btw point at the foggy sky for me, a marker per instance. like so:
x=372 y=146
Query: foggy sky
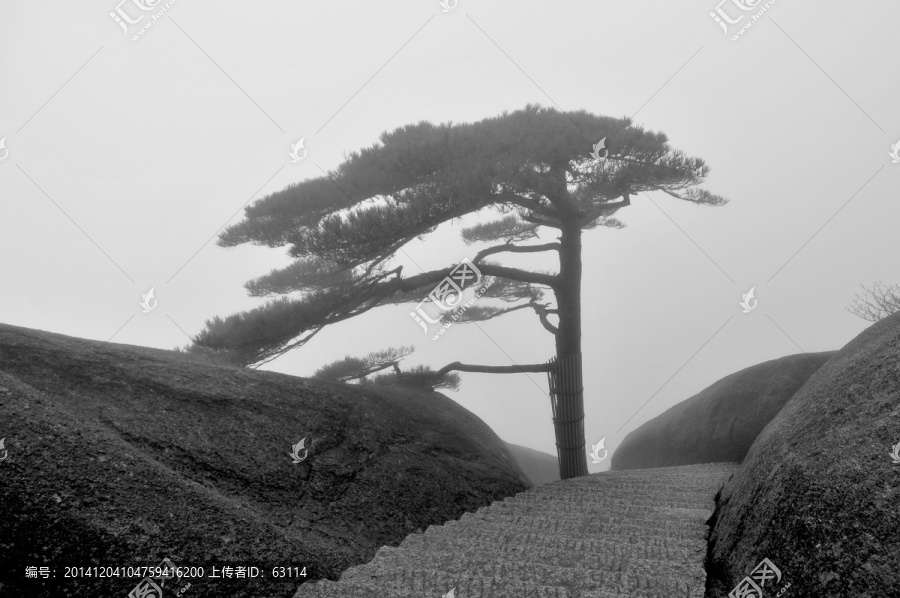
x=127 y=157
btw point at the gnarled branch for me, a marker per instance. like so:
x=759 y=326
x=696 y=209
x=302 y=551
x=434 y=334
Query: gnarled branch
x=517 y=274
x=514 y=249
x=493 y=369
x=542 y=312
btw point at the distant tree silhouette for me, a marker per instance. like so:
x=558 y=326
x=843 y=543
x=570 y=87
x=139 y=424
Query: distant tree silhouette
x=876 y=302
x=533 y=166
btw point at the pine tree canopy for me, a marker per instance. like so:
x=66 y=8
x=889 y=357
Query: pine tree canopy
x=533 y=168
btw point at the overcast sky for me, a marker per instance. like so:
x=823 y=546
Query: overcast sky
x=126 y=157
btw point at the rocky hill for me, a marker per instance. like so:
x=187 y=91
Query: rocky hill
x=122 y=455
x=720 y=422
x=818 y=492
x=540 y=467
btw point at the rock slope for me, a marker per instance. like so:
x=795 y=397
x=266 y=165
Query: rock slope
x=607 y=535
x=719 y=423
x=818 y=493
x=127 y=455
x=540 y=467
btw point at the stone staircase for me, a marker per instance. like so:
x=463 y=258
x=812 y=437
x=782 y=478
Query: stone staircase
x=621 y=534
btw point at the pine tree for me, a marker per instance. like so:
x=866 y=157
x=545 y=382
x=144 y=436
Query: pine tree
x=534 y=167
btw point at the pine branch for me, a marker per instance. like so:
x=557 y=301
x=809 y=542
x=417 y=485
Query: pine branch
x=493 y=369
x=358 y=368
x=344 y=227
x=478 y=313
x=701 y=197
x=510 y=227
x=517 y=274
x=514 y=249
x=542 y=312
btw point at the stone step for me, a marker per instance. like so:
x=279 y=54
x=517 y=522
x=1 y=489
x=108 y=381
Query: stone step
x=581 y=571
x=578 y=510
x=661 y=493
x=632 y=534
x=657 y=527
x=609 y=556
x=592 y=496
x=419 y=583
x=562 y=541
x=582 y=541
x=567 y=581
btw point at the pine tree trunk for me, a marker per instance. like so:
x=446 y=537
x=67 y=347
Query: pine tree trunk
x=569 y=391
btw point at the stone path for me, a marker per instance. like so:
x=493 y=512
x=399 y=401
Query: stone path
x=622 y=534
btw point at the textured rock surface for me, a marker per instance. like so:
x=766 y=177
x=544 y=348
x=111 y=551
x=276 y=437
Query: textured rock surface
x=613 y=534
x=719 y=423
x=540 y=467
x=818 y=494
x=126 y=455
